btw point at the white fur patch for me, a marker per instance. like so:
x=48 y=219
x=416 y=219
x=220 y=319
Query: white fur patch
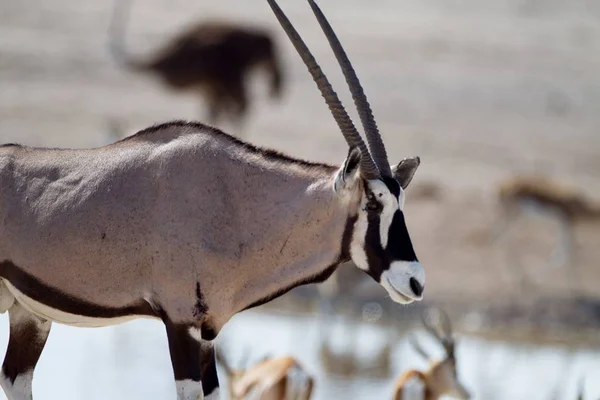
x=195 y=333
x=396 y=280
x=6 y=297
x=357 y=250
x=414 y=389
x=52 y=314
x=215 y=395
x=20 y=389
x=188 y=389
x=390 y=206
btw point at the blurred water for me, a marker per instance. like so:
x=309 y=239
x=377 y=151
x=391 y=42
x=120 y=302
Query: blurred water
x=131 y=361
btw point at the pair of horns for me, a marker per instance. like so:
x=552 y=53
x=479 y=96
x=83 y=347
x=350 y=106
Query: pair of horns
x=442 y=332
x=373 y=164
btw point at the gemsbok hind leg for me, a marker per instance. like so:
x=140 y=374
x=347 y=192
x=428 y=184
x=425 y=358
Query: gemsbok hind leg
x=194 y=365
x=28 y=335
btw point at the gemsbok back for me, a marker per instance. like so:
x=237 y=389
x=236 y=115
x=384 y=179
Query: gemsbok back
x=211 y=58
x=187 y=224
x=441 y=378
x=272 y=378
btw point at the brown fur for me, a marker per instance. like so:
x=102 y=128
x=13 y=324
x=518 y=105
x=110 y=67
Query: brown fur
x=440 y=379
x=211 y=58
x=269 y=379
x=548 y=193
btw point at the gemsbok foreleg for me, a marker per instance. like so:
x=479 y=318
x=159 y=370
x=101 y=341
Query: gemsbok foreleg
x=193 y=360
x=28 y=335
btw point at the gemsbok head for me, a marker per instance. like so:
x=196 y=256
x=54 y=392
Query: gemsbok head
x=441 y=378
x=187 y=224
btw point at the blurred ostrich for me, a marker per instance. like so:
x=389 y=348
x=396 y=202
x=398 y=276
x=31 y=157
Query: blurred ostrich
x=212 y=59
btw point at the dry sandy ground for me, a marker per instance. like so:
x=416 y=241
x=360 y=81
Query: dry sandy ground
x=478 y=89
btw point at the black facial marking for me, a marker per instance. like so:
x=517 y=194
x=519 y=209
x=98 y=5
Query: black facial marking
x=200 y=308
x=52 y=297
x=392 y=185
x=376 y=257
x=373 y=205
x=399 y=245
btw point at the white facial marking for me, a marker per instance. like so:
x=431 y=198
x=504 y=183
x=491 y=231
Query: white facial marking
x=20 y=389
x=396 y=281
x=414 y=389
x=390 y=206
x=188 y=389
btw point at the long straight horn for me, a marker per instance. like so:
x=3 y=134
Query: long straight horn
x=376 y=145
x=367 y=166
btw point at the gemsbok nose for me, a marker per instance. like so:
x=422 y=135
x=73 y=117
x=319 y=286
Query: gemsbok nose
x=416 y=287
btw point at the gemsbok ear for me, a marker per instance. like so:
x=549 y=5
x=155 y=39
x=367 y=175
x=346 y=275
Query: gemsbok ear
x=346 y=176
x=405 y=170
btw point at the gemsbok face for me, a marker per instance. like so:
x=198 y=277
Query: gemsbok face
x=380 y=243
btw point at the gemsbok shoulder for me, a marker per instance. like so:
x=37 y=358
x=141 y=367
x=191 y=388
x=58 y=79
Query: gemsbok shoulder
x=273 y=378
x=187 y=224
x=441 y=378
x=211 y=58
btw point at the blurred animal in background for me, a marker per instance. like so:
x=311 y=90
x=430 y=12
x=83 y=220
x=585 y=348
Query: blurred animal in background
x=272 y=378
x=346 y=362
x=424 y=191
x=441 y=378
x=213 y=59
x=537 y=194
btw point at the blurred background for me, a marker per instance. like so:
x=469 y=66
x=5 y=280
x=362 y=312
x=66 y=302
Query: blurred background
x=500 y=99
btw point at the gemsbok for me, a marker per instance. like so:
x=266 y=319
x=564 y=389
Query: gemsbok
x=187 y=224
x=212 y=58
x=441 y=378
x=273 y=378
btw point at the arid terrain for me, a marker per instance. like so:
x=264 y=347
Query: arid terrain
x=481 y=90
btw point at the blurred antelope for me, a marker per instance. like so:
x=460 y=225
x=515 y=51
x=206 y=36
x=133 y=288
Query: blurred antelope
x=276 y=378
x=348 y=364
x=210 y=58
x=441 y=378
x=519 y=194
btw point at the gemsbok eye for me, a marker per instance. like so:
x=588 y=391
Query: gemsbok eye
x=374 y=206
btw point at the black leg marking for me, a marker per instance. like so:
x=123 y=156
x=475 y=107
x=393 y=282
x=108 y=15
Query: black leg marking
x=210 y=381
x=192 y=358
x=28 y=335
